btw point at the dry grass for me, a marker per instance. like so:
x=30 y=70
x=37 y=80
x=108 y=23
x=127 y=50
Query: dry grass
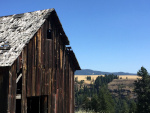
x=129 y=77
x=84 y=77
x=124 y=82
x=93 y=78
x=126 y=85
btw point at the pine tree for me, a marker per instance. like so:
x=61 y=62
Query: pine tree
x=106 y=101
x=125 y=107
x=95 y=103
x=142 y=89
x=132 y=107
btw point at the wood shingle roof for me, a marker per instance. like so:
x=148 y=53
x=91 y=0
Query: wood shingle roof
x=16 y=31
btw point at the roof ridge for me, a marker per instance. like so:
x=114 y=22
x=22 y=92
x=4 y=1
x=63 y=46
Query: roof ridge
x=51 y=9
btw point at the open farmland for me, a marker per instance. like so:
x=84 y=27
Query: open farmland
x=84 y=78
x=131 y=77
x=93 y=78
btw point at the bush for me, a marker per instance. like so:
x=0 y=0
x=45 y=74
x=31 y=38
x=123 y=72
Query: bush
x=88 y=78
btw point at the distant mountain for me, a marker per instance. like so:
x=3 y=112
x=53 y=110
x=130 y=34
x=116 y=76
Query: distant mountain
x=92 y=72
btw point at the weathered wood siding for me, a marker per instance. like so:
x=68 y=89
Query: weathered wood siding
x=47 y=74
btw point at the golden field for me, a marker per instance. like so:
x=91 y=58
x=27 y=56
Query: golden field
x=129 y=77
x=93 y=78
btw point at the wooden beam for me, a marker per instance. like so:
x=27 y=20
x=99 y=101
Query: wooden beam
x=18 y=78
x=24 y=83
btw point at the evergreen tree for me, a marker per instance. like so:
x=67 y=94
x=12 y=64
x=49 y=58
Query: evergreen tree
x=106 y=101
x=142 y=89
x=132 y=107
x=86 y=103
x=125 y=107
x=95 y=103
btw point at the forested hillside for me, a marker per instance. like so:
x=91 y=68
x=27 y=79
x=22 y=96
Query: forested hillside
x=97 y=97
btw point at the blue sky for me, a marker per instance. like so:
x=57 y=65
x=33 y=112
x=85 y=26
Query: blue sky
x=106 y=35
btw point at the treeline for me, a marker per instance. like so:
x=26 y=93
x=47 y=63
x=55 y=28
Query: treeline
x=97 y=97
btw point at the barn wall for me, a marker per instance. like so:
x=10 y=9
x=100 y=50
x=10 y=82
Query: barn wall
x=48 y=71
x=47 y=75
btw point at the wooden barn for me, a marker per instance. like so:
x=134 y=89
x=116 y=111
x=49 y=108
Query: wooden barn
x=36 y=64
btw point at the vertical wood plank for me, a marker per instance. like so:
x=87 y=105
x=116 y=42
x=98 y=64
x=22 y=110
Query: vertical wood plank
x=69 y=92
x=38 y=66
x=42 y=46
x=50 y=54
x=12 y=93
x=53 y=71
x=24 y=75
x=33 y=65
x=50 y=92
x=67 y=85
x=43 y=82
x=72 y=89
x=46 y=67
x=64 y=93
x=29 y=66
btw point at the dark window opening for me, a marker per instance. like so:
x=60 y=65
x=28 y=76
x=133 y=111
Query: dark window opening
x=43 y=104
x=18 y=105
x=60 y=34
x=37 y=104
x=49 y=34
x=33 y=105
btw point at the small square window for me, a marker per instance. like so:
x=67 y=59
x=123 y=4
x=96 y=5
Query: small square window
x=49 y=34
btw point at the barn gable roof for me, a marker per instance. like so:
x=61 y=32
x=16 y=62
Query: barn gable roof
x=17 y=30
